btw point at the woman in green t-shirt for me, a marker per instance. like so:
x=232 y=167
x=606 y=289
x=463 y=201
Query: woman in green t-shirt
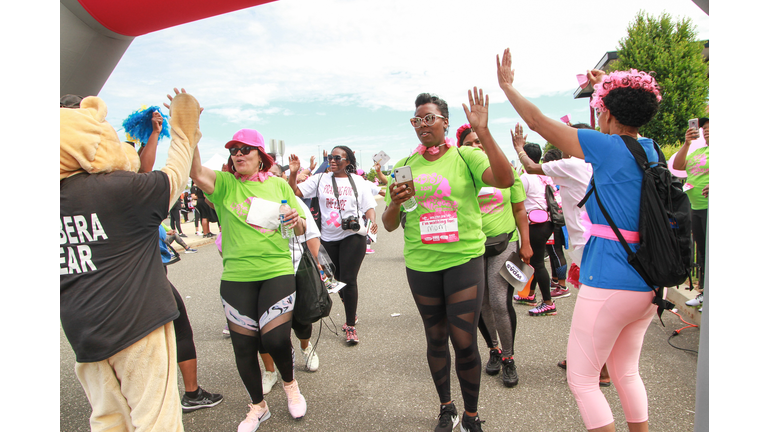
x=444 y=243
x=258 y=287
x=504 y=220
x=696 y=166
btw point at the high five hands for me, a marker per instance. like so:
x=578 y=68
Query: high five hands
x=170 y=98
x=477 y=112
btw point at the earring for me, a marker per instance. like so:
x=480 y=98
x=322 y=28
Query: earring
x=261 y=165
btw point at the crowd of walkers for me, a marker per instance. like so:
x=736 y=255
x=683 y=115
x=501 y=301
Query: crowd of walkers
x=464 y=211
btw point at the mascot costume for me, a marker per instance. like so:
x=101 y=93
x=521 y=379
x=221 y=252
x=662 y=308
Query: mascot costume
x=117 y=307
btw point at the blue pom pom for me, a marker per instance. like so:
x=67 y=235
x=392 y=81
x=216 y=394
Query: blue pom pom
x=138 y=125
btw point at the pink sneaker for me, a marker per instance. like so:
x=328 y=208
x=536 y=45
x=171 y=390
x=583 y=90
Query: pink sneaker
x=543 y=309
x=255 y=417
x=297 y=405
x=524 y=300
x=351 y=335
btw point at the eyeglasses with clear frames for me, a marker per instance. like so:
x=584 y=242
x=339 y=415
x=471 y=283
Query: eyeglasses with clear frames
x=428 y=119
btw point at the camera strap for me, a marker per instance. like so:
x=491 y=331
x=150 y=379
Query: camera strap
x=336 y=193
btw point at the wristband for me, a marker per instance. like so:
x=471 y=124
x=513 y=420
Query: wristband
x=521 y=154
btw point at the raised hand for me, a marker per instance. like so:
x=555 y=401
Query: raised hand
x=504 y=71
x=170 y=98
x=595 y=76
x=518 y=139
x=157 y=122
x=477 y=113
x=312 y=163
x=294 y=163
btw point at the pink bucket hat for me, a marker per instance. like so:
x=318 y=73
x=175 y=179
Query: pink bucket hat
x=249 y=137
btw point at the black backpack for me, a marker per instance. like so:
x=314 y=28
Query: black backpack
x=312 y=299
x=664 y=257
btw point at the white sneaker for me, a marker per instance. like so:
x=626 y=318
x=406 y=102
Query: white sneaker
x=255 y=417
x=268 y=379
x=698 y=301
x=297 y=405
x=311 y=361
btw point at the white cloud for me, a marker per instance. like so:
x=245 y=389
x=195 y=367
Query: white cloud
x=375 y=55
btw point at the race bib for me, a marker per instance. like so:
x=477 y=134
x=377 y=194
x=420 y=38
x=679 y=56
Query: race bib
x=439 y=227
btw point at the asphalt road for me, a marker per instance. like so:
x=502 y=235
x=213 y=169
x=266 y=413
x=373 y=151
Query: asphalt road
x=383 y=383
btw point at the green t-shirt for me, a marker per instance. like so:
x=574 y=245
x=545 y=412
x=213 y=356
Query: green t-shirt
x=697 y=169
x=444 y=189
x=496 y=208
x=250 y=252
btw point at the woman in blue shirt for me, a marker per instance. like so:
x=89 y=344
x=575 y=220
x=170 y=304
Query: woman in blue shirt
x=613 y=308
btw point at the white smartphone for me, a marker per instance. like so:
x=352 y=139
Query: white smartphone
x=694 y=124
x=404 y=175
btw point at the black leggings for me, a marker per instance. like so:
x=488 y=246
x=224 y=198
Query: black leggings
x=185 y=344
x=347 y=256
x=699 y=230
x=538 y=234
x=449 y=303
x=176 y=220
x=557 y=261
x=259 y=316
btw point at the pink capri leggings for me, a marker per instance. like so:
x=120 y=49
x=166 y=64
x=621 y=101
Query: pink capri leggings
x=608 y=327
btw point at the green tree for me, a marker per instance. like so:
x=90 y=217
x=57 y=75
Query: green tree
x=670 y=49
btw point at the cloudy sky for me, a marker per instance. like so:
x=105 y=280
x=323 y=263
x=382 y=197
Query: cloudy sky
x=322 y=73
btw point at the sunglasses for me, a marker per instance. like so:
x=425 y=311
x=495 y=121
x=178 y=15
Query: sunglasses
x=336 y=158
x=244 y=150
x=428 y=119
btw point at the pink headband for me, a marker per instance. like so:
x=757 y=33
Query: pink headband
x=460 y=130
x=618 y=79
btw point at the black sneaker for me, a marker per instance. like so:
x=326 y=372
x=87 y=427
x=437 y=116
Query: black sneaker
x=494 y=362
x=471 y=424
x=203 y=400
x=448 y=418
x=509 y=373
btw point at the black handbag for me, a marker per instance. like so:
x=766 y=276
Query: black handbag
x=312 y=299
x=553 y=208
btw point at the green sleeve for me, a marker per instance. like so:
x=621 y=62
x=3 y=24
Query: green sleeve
x=220 y=187
x=517 y=190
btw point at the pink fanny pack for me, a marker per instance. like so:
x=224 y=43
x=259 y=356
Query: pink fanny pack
x=606 y=232
x=538 y=216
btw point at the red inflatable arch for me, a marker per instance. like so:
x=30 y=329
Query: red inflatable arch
x=95 y=33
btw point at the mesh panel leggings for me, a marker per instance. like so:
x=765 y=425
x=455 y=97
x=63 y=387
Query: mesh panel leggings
x=539 y=234
x=449 y=304
x=347 y=256
x=259 y=316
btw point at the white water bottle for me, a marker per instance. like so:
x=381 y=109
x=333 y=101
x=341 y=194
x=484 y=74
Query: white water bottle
x=284 y=210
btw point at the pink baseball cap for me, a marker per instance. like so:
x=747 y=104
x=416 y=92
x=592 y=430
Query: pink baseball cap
x=360 y=172
x=249 y=137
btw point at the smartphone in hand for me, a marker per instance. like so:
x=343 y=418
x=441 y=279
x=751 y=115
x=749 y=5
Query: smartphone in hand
x=403 y=175
x=694 y=124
